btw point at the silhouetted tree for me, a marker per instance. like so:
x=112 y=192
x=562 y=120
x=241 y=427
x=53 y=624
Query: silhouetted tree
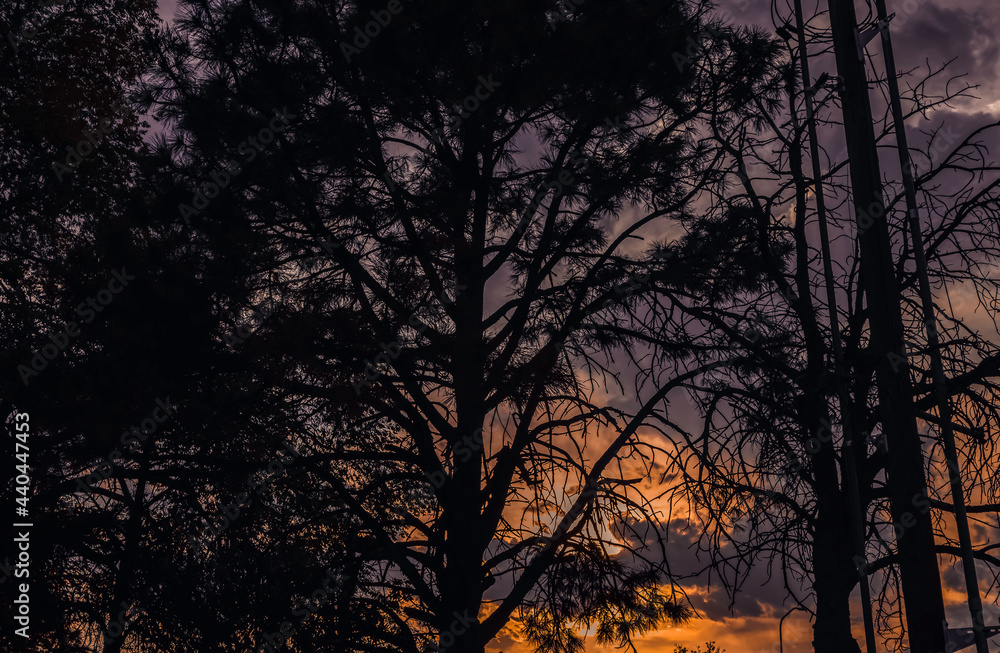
x=448 y=199
x=68 y=137
x=766 y=477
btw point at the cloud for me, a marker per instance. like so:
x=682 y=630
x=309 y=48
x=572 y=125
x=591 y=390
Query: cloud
x=166 y=9
x=939 y=31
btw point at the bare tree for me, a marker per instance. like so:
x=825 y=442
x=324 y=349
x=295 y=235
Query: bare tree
x=767 y=477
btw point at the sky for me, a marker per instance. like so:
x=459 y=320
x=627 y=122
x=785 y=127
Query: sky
x=925 y=33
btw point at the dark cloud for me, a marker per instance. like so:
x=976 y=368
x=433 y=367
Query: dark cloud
x=938 y=32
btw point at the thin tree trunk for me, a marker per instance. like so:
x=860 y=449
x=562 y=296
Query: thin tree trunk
x=834 y=572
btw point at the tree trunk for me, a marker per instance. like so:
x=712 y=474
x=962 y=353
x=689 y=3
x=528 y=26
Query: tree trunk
x=466 y=536
x=918 y=564
x=835 y=577
x=833 y=572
